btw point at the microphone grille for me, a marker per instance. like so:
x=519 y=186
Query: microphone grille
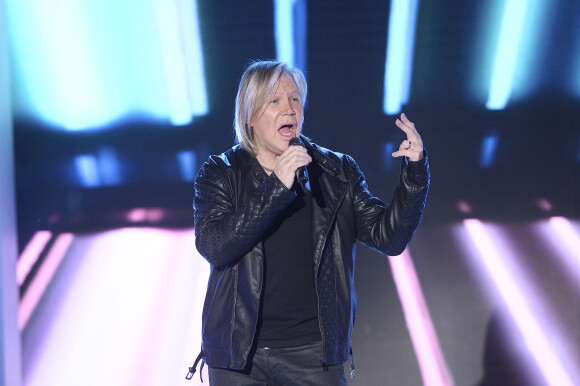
x=296 y=141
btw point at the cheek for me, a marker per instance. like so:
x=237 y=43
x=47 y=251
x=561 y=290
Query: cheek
x=268 y=118
x=263 y=122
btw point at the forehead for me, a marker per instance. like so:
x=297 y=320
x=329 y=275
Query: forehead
x=285 y=83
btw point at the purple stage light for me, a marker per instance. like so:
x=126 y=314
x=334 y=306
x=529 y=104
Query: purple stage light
x=127 y=302
x=431 y=360
x=43 y=277
x=511 y=287
x=30 y=254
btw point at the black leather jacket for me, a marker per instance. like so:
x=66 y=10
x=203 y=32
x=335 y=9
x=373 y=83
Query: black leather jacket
x=234 y=205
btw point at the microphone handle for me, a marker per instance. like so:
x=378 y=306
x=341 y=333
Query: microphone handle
x=301 y=171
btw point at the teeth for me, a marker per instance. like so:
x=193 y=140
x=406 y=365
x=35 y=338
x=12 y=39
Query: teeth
x=284 y=133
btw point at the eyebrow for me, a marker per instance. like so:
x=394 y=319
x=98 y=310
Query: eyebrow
x=277 y=93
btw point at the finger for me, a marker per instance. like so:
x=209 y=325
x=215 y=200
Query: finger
x=404 y=148
x=406 y=125
x=292 y=150
x=289 y=161
x=412 y=155
x=409 y=149
x=297 y=154
x=406 y=120
x=397 y=154
x=409 y=128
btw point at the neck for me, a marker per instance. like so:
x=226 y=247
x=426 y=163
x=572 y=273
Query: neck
x=268 y=163
x=268 y=169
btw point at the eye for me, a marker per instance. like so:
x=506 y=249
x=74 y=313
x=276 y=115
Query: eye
x=274 y=101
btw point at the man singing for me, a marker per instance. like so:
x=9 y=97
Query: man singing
x=281 y=303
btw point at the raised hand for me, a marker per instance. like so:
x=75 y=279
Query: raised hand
x=412 y=147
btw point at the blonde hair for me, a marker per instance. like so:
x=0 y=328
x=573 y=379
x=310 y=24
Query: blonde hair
x=256 y=84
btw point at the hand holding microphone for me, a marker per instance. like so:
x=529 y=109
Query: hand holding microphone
x=290 y=165
x=301 y=171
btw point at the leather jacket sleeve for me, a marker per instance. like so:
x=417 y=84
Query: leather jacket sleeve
x=225 y=229
x=389 y=228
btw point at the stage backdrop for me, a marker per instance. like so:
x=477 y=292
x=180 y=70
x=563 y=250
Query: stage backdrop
x=116 y=105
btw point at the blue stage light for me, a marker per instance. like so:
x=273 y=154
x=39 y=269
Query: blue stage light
x=182 y=59
x=87 y=170
x=88 y=64
x=100 y=170
x=399 y=60
x=186 y=160
x=284 y=30
x=388 y=161
x=507 y=53
x=488 y=150
x=575 y=75
x=109 y=166
x=290 y=32
x=518 y=46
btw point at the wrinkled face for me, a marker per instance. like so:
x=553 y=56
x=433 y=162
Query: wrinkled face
x=278 y=120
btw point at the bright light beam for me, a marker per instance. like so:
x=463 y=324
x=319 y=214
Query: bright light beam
x=98 y=63
x=575 y=74
x=174 y=70
x=290 y=32
x=129 y=300
x=507 y=53
x=193 y=57
x=399 y=61
x=562 y=236
x=56 y=63
x=535 y=339
x=284 y=30
x=431 y=360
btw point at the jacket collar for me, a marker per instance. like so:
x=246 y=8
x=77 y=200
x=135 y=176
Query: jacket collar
x=325 y=162
x=250 y=163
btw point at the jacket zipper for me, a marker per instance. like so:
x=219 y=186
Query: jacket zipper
x=322 y=356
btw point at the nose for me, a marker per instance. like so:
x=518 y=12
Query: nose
x=289 y=109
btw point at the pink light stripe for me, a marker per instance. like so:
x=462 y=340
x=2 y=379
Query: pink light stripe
x=533 y=334
x=201 y=272
x=434 y=370
x=30 y=254
x=43 y=278
x=132 y=306
x=180 y=295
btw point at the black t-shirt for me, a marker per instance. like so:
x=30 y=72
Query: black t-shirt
x=289 y=314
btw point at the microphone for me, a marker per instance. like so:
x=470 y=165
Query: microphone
x=300 y=172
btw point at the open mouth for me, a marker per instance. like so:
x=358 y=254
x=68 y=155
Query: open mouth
x=286 y=130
